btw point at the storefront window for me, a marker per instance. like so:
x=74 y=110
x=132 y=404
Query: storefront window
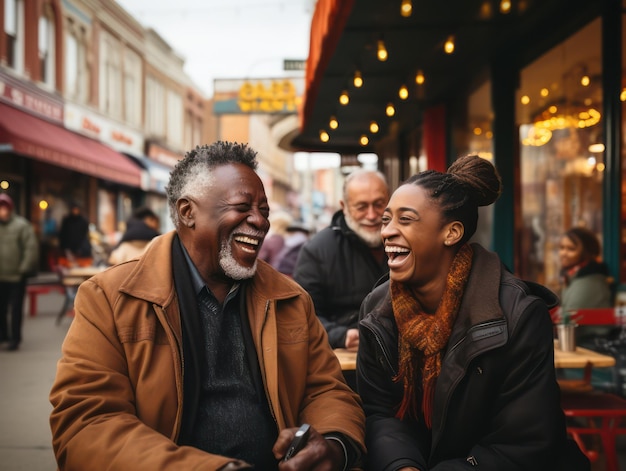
x=480 y=142
x=559 y=105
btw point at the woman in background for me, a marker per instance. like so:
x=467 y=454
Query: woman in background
x=456 y=359
x=584 y=278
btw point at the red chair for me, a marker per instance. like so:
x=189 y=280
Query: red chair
x=602 y=414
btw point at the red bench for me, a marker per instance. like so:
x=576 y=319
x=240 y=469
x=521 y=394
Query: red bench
x=34 y=290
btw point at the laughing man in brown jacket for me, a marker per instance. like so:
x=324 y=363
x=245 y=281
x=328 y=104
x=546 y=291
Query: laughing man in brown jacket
x=198 y=356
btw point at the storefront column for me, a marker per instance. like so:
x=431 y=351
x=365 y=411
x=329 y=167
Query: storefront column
x=506 y=152
x=611 y=88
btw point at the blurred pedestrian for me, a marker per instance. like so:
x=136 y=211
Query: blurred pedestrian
x=341 y=264
x=273 y=244
x=19 y=258
x=295 y=238
x=74 y=237
x=456 y=359
x=141 y=228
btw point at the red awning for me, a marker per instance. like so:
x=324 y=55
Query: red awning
x=327 y=25
x=42 y=140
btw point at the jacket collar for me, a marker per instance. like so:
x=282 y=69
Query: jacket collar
x=151 y=279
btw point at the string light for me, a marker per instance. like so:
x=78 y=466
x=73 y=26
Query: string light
x=505 y=6
x=358 y=79
x=344 y=98
x=364 y=140
x=585 y=80
x=403 y=93
x=374 y=127
x=419 y=77
x=449 y=45
x=333 y=123
x=406 y=8
x=324 y=137
x=381 y=52
x=390 y=110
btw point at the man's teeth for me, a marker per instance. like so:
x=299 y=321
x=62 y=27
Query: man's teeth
x=247 y=240
x=396 y=250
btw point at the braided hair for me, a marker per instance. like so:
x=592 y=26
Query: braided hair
x=470 y=182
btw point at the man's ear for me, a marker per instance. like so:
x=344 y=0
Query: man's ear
x=186 y=214
x=453 y=233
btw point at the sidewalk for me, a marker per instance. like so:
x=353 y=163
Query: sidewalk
x=27 y=376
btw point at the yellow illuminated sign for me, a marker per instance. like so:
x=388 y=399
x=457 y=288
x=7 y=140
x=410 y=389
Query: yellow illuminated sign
x=278 y=96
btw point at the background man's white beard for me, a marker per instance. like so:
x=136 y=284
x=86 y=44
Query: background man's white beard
x=371 y=239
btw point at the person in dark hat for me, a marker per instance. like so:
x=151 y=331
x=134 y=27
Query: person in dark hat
x=141 y=228
x=74 y=234
x=19 y=255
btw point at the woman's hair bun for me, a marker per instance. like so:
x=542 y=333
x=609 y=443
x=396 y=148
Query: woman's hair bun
x=479 y=176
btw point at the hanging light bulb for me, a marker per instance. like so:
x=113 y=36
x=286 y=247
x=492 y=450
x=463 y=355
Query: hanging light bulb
x=333 y=123
x=364 y=140
x=324 y=137
x=406 y=8
x=449 y=45
x=419 y=77
x=403 y=93
x=585 y=80
x=390 y=110
x=358 y=79
x=344 y=98
x=381 y=52
x=505 y=6
x=373 y=127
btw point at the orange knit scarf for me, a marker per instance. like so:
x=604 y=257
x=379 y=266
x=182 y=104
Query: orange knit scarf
x=422 y=337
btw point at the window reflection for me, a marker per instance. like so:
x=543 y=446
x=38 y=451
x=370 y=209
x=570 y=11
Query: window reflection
x=558 y=110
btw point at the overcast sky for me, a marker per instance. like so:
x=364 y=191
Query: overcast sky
x=229 y=38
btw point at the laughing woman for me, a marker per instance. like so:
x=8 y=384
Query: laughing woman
x=456 y=362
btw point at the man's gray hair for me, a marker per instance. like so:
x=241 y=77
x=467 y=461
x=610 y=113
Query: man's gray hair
x=193 y=174
x=358 y=173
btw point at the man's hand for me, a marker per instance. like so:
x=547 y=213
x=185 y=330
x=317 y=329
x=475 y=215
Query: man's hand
x=319 y=454
x=352 y=339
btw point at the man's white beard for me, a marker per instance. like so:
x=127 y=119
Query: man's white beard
x=231 y=268
x=372 y=239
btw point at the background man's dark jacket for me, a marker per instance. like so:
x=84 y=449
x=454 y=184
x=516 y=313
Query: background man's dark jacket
x=338 y=270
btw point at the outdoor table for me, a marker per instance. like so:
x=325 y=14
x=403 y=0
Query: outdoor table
x=71 y=278
x=347 y=358
x=576 y=359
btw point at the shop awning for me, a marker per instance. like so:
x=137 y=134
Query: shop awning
x=44 y=141
x=155 y=176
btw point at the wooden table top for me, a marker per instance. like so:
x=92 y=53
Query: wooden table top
x=580 y=357
x=347 y=358
x=576 y=359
